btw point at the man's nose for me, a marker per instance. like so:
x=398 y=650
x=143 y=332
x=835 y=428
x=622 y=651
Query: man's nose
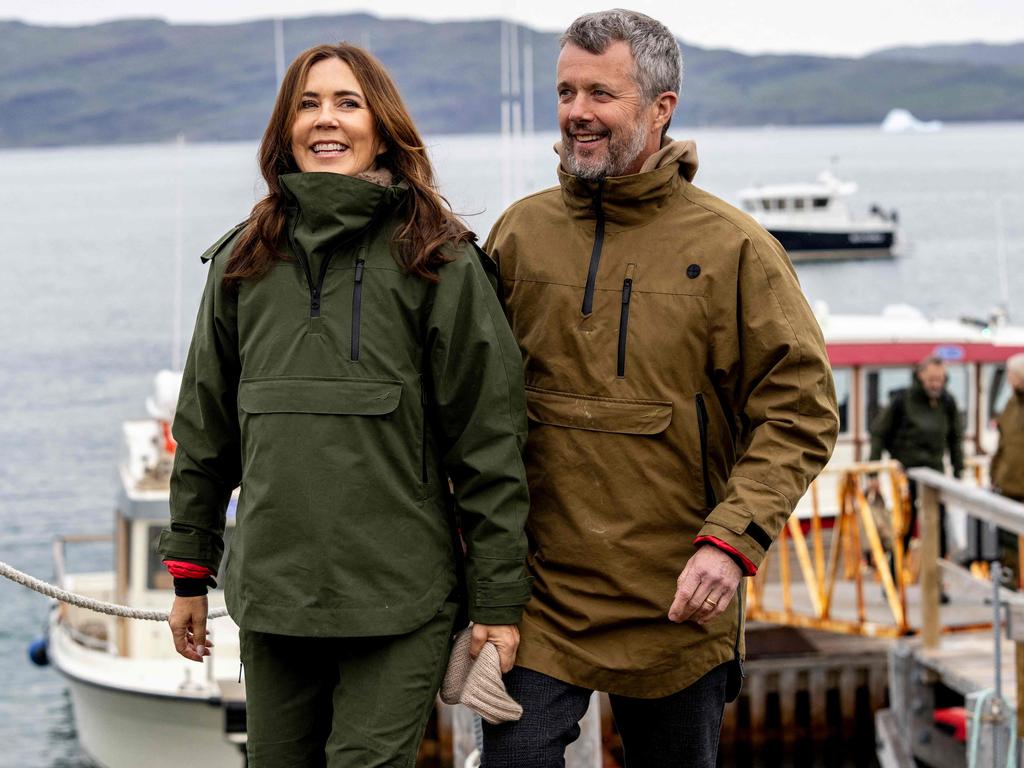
x=580 y=109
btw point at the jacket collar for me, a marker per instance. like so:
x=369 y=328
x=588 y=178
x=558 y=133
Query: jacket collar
x=631 y=200
x=326 y=209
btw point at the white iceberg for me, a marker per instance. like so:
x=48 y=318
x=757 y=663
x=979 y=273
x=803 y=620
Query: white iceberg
x=901 y=121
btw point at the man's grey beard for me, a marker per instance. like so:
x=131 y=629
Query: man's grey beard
x=620 y=156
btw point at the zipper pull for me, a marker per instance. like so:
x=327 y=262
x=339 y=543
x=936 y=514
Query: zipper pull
x=314 y=302
x=359 y=270
x=627 y=290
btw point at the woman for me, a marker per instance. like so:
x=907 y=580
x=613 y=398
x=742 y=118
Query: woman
x=350 y=357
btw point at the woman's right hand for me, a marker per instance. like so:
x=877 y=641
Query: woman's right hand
x=188 y=627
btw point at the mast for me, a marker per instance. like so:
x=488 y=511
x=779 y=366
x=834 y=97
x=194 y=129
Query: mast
x=279 y=49
x=179 y=249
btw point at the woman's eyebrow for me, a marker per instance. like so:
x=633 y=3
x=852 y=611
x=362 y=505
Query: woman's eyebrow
x=336 y=93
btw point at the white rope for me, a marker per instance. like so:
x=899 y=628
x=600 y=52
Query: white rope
x=87 y=602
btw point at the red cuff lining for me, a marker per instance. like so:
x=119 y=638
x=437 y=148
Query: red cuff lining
x=749 y=567
x=182 y=570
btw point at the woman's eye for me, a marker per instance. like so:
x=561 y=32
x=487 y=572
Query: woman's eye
x=349 y=104
x=307 y=104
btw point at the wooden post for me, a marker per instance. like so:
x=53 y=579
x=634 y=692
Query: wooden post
x=929 y=565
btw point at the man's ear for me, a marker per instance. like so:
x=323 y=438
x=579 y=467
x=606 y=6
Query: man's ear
x=664 y=105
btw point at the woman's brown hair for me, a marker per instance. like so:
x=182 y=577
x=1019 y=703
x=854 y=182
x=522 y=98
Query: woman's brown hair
x=430 y=224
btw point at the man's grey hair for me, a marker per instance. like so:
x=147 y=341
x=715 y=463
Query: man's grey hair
x=657 y=60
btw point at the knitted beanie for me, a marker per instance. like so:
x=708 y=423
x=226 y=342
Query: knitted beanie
x=477 y=682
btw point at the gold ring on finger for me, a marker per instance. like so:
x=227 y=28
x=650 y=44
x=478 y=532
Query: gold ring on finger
x=711 y=602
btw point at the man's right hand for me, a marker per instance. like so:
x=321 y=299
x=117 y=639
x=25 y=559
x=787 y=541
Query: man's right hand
x=188 y=627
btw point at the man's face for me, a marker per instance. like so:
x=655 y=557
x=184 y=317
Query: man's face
x=607 y=130
x=933 y=379
x=1016 y=381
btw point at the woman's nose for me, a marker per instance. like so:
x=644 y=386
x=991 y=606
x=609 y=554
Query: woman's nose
x=326 y=118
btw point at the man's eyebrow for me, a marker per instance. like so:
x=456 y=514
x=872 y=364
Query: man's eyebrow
x=594 y=86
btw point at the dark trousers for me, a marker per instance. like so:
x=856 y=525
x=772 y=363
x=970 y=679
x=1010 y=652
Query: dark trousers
x=349 y=702
x=677 y=730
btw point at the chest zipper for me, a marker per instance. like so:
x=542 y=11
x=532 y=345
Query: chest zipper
x=702 y=426
x=357 y=307
x=627 y=295
x=595 y=254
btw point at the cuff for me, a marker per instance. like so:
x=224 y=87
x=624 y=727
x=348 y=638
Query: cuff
x=180 y=569
x=193 y=587
x=748 y=568
x=499 y=602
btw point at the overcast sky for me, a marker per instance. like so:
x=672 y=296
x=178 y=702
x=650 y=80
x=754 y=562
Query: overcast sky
x=752 y=26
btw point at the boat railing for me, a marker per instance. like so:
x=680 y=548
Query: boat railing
x=60 y=551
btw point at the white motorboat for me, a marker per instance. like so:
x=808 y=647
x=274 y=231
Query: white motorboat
x=136 y=702
x=813 y=221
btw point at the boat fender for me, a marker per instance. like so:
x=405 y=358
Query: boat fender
x=38 y=652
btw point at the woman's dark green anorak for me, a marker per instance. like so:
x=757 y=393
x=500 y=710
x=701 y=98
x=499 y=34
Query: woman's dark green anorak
x=342 y=413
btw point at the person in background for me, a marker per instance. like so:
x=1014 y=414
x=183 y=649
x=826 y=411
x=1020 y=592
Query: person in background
x=1007 y=468
x=680 y=402
x=917 y=428
x=349 y=359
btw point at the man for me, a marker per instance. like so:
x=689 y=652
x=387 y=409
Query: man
x=1007 y=468
x=916 y=428
x=680 y=402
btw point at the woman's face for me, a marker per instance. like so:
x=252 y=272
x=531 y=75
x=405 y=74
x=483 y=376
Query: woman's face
x=334 y=130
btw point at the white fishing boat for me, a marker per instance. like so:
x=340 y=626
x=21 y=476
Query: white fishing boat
x=137 y=702
x=812 y=221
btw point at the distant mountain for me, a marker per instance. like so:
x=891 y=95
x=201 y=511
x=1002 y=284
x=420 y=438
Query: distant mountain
x=147 y=80
x=985 y=54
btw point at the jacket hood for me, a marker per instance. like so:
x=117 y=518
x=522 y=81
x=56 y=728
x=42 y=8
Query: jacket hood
x=325 y=209
x=633 y=199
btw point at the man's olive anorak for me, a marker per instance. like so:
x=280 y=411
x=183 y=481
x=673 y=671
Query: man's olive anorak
x=677 y=387
x=342 y=413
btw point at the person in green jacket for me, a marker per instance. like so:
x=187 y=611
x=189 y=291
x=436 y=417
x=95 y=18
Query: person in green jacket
x=352 y=371
x=916 y=428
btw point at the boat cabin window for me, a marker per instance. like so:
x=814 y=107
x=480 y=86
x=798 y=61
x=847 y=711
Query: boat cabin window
x=780 y=204
x=157 y=576
x=880 y=385
x=820 y=202
x=843 y=378
x=998 y=390
x=798 y=204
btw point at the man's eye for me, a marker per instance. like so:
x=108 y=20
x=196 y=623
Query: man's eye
x=564 y=93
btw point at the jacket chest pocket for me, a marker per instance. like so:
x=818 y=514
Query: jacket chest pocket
x=340 y=433
x=659 y=336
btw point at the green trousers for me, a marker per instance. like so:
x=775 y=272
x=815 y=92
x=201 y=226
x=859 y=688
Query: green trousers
x=350 y=702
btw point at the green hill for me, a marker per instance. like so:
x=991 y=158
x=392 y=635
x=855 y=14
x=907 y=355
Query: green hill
x=147 y=80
